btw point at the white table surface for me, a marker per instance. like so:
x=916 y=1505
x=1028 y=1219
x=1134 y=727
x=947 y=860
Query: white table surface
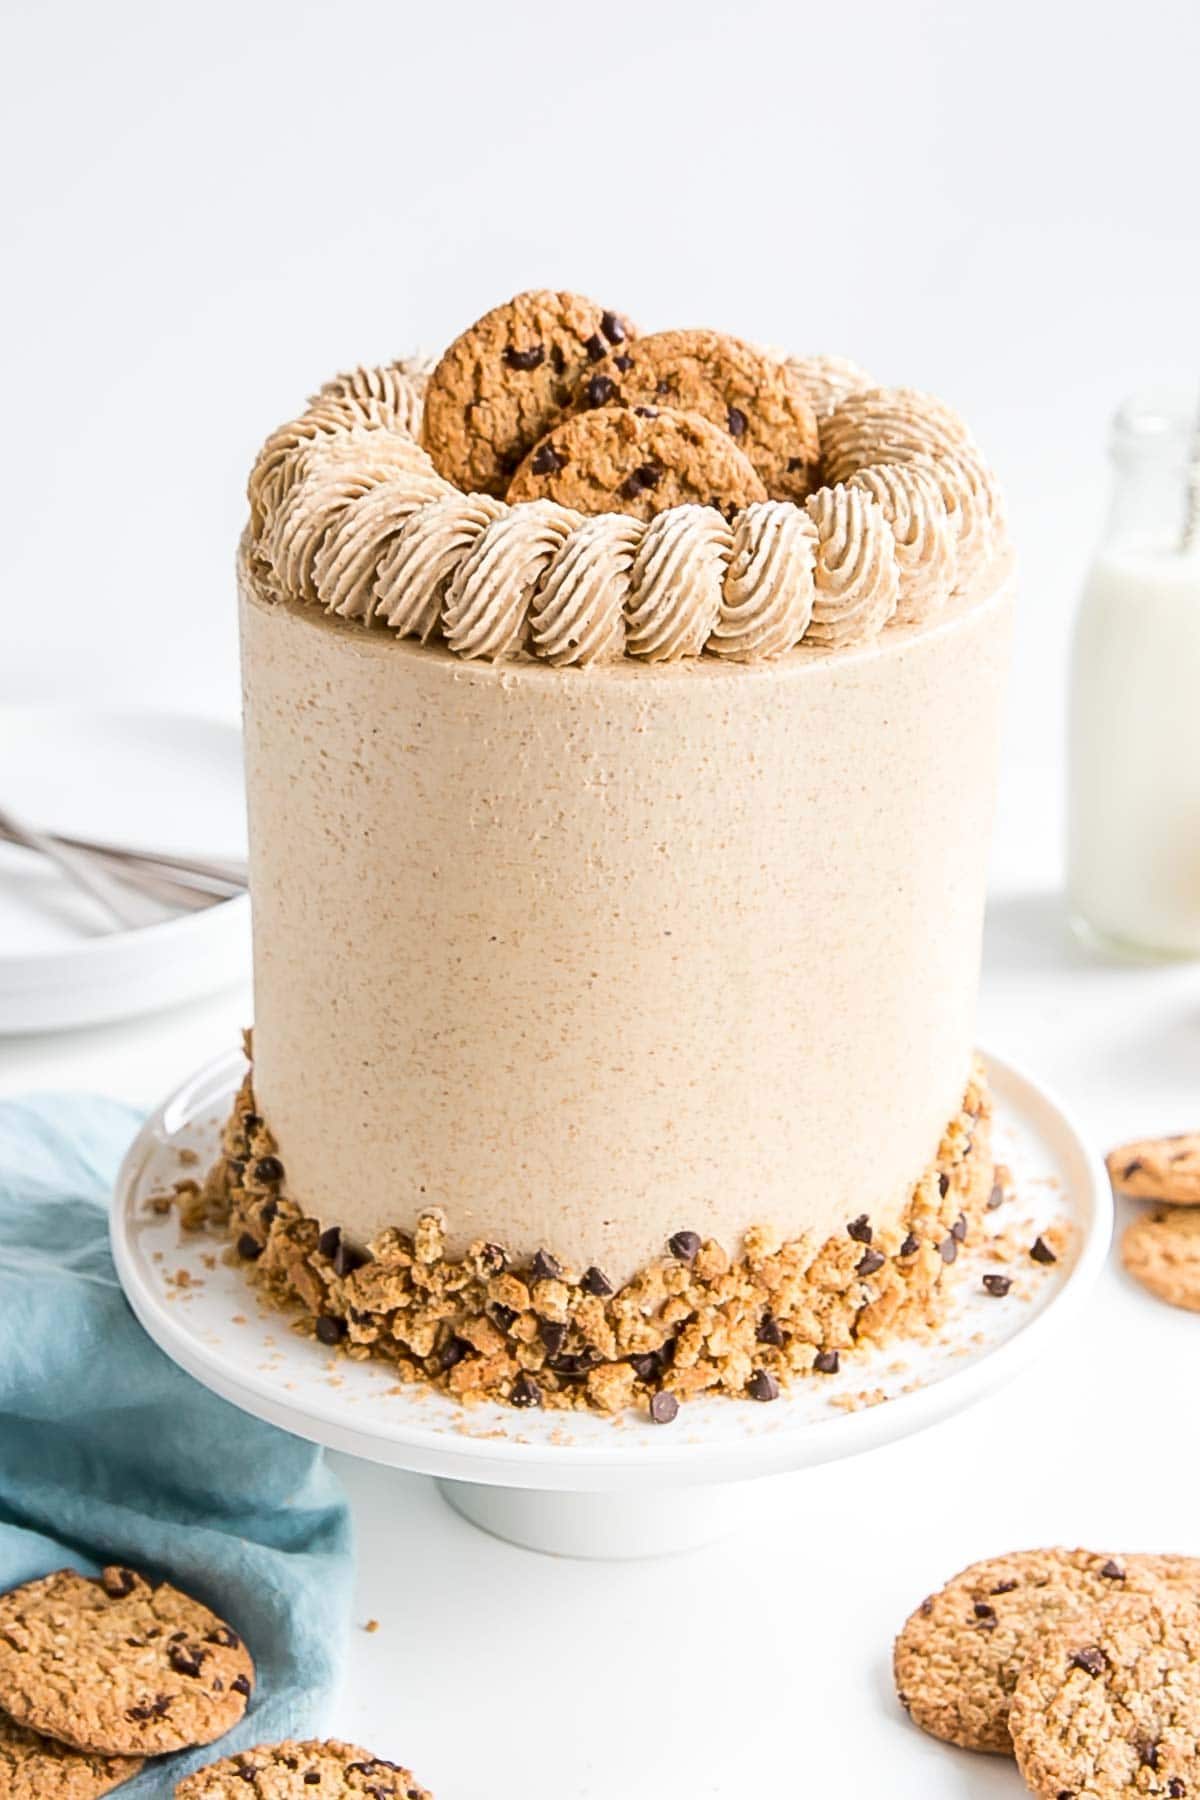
x=760 y=1665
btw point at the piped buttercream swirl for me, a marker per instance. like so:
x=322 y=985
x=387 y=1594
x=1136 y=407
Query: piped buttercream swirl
x=926 y=548
x=975 y=505
x=327 y=485
x=879 y=425
x=676 y=582
x=487 y=603
x=767 y=599
x=414 y=573
x=828 y=379
x=856 y=577
x=391 y=394
x=345 y=566
x=579 y=613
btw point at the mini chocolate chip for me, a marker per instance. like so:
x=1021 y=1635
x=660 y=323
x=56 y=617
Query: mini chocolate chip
x=492 y=1259
x=118 y=1582
x=544 y=1268
x=943 y=1184
x=612 y=327
x=770 y=1331
x=796 y=464
x=552 y=1334
x=663 y=386
x=594 y=346
x=1005 y=1587
x=996 y=1197
x=926 y=1606
x=246 y=1774
x=959 y=1228
x=860 y=1229
x=1148 y=1753
x=452 y=1352
x=547 y=460
x=329 y=1241
x=623 y=362
x=868 y=1262
x=910 y=1246
x=241 y=1685
x=996 y=1285
x=685 y=1245
x=595 y=1281
x=986 y=1615
x=348 y=1259
x=1112 y=1571
x=249 y=1248
x=1041 y=1252
x=763 y=1385
x=663 y=1408
x=312 y=1777
x=185 y=1662
x=948 y=1249
x=268 y=1168
x=1178 y=1788
x=826 y=1362
x=737 y=422
x=526 y=1391
x=222 y=1634
x=250 y=1122
x=268 y=1212
x=503 y=1315
x=599 y=390
x=1133 y=1168
x=330 y=1330
x=1091 y=1659
x=558 y=361
x=525 y=360
x=646 y=412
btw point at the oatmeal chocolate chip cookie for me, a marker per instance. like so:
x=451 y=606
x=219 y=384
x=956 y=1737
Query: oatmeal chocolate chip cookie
x=759 y=402
x=33 y=1767
x=959 y=1656
x=507 y=380
x=1162 y=1251
x=1165 y=1168
x=637 y=461
x=1108 y=1703
x=118 y=1667
x=300 y=1771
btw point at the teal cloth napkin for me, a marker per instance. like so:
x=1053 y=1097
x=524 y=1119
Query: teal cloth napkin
x=109 y=1453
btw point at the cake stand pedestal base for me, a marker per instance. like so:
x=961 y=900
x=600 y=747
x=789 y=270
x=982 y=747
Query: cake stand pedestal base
x=609 y=1526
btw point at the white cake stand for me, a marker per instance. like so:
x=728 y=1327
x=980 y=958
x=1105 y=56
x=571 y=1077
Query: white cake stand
x=584 y=1485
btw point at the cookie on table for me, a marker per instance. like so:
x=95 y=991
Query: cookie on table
x=639 y=462
x=507 y=380
x=1162 y=1251
x=33 y=1767
x=301 y=1771
x=959 y=1656
x=1108 y=1704
x=1166 y=1168
x=118 y=1667
x=756 y=399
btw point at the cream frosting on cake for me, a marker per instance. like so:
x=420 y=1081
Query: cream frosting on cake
x=614 y=881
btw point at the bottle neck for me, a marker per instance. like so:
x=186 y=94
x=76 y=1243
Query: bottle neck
x=1150 y=445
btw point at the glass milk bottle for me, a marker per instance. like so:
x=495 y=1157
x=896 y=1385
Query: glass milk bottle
x=1133 y=876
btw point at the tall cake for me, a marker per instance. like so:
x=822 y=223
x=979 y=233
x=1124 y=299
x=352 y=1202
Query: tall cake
x=621 y=727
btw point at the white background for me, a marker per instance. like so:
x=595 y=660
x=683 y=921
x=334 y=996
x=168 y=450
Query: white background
x=208 y=209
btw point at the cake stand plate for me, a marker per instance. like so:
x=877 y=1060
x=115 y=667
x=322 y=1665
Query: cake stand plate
x=582 y=1484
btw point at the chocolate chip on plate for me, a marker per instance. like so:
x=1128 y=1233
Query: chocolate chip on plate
x=860 y=1229
x=663 y=1408
x=1041 y=1251
x=545 y=1268
x=526 y=1391
x=330 y=1330
x=249 y=1248
x=997 y=1285
x=595 y=1281
x=826 y=1362
x=763 y=1385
